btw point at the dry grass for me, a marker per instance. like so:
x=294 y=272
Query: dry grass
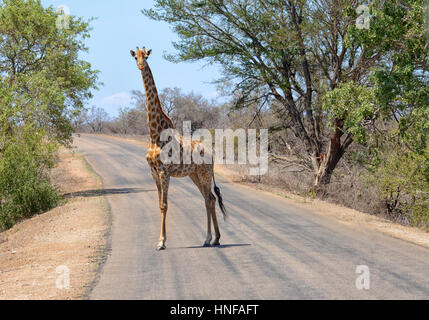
x=72 y=235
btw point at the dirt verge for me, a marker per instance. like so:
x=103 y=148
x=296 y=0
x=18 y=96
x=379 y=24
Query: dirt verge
x=56 y=255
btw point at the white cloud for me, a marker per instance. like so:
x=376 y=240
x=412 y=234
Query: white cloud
x=113 y=103
x=122 y=99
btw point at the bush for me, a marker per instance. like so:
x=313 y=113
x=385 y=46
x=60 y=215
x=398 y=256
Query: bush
x=25 y=188
x=403 y=182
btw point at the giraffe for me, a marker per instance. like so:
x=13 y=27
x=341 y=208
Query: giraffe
x=200 y=174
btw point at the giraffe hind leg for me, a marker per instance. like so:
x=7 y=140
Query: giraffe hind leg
x=216 y=242
x=209 y=207
x=205 y=178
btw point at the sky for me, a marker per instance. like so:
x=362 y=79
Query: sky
x=120 y=27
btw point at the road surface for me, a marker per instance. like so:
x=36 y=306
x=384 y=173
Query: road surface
x=270 y=249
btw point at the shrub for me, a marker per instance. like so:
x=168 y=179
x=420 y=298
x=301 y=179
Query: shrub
x=25 y=188
x=403 y=182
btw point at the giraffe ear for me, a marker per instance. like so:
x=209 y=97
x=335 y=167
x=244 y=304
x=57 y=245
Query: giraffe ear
x=133 y=54
x=149 y=52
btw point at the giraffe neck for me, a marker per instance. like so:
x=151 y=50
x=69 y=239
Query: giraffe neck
x=157 y=120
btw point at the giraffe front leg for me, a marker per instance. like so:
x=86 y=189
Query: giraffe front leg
x=163 y=236
x=164 y=182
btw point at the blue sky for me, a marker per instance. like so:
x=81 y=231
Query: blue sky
x=120 y=27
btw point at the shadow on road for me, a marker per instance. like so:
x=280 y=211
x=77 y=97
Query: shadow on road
x=223 y=246
x=104 y=192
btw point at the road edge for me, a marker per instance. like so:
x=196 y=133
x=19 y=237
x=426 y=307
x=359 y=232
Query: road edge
x=107 y=236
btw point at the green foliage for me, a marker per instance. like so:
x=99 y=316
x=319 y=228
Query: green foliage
x=44 y=83
x=354 y=104
x=43 y=88
x=25 y=187
x=399 y=144
x=402 y=88
x=403 y=180
x=244 y=37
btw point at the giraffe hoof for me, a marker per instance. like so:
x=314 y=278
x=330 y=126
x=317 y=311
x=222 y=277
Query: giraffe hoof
x=160 y=248
x=216 y=244
x=207 y=244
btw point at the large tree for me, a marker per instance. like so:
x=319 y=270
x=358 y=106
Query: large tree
x=43 y=82
x=43 y=87
x=295 y=52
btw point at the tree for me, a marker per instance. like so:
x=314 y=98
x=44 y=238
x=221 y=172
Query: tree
x=130 y=121
x=44 y=83
x=43 y=88
x=189 y=107
x=402 y=87
x=399 y=149
x=168 y=98
x=295 y=52
x=97 y=119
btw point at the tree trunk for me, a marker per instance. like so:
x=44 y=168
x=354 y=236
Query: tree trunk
x=327 y=166
x=329 y=161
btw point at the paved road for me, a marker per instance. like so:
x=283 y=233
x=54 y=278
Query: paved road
x=271 y=249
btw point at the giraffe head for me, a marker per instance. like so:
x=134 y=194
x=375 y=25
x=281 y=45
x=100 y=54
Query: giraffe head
x=141 y=56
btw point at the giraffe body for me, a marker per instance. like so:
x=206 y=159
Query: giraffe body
x=201 y=174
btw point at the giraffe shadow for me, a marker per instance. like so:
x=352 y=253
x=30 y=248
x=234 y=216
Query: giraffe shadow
x=222 y=246
x=104 y=192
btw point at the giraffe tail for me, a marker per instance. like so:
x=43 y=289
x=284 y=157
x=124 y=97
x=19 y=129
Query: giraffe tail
x=219 y=198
